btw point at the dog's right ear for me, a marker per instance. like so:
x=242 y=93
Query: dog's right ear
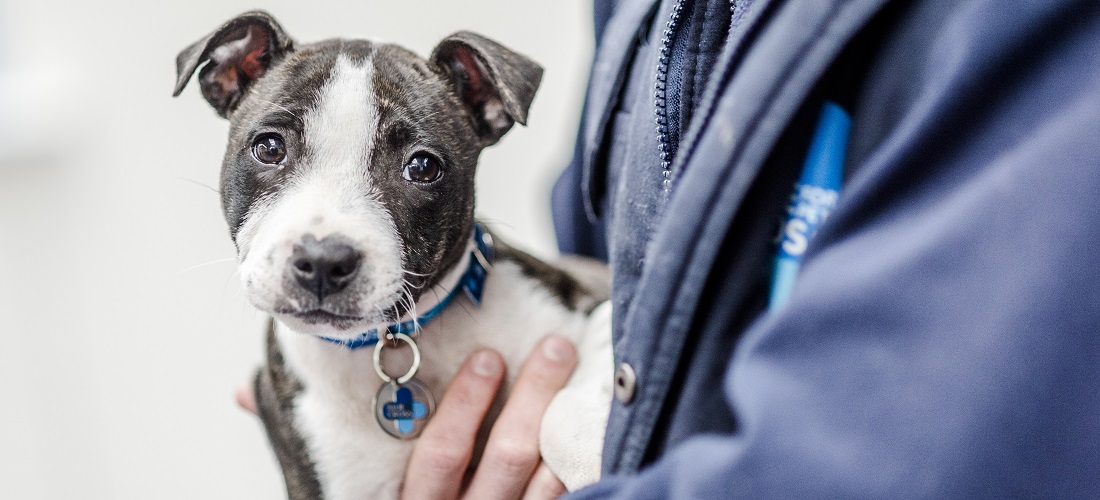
x=240 y=51
x=495 y=84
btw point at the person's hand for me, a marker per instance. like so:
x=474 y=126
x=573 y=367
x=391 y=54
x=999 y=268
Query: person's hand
x=510 y=466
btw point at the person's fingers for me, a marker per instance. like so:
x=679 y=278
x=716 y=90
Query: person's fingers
x=512 y=452
x=544 y=485
x=443 y=451
x=246 y=398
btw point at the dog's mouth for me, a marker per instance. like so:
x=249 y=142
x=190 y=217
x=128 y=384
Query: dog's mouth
x=320 y=319
x=330 y=321
x=318 y=316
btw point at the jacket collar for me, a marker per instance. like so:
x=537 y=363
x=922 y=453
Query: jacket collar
x=609 y=70
x=628 y=25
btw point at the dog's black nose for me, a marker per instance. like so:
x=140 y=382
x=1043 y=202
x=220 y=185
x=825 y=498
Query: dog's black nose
x=324 y=267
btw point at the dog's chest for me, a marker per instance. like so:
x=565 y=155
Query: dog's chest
x=354 y=458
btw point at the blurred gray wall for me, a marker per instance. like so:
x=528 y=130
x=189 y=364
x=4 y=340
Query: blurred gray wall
x=123 y=331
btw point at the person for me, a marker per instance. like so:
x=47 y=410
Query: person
x=940 y=337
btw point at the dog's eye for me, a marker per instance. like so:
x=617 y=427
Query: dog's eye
x=423 y=169
x=270 y=149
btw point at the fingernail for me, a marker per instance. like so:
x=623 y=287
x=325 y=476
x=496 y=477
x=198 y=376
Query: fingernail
x=485 y=364
x=558 y=350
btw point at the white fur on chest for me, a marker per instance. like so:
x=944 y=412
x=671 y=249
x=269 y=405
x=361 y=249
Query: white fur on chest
x=354 y=458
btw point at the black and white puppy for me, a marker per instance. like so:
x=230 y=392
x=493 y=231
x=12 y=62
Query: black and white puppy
x=348 y=186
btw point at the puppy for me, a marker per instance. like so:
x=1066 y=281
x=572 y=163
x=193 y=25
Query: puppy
x=348 y=186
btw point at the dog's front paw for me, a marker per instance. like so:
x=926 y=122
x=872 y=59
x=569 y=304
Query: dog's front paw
x=571 y=438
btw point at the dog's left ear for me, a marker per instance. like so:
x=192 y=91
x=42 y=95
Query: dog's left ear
x=240 y=51
x=496 y=84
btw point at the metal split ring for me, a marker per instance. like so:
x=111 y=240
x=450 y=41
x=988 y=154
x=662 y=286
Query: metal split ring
x=394 y=337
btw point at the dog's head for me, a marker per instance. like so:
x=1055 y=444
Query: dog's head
x=348 y=179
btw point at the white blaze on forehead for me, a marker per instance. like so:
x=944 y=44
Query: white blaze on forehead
x=339 y=131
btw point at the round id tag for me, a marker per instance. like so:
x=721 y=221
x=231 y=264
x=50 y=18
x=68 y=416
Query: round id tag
x=404 y=404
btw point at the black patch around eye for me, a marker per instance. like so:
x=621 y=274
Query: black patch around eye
x=422 y=168
x=269 y=149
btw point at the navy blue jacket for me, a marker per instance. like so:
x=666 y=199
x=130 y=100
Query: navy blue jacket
x=943 y=336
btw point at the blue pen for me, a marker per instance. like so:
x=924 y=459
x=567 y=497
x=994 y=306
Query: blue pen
x=813 y=199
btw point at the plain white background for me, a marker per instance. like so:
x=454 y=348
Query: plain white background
x=123 y=331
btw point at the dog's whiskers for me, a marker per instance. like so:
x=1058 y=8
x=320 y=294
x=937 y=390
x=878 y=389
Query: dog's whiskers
x=396 y=312
x=379 y=311
x=466 y=309
x=216 y=261
x=236 y=274
x=411 y=286
x=200 y=184
x=412 y=306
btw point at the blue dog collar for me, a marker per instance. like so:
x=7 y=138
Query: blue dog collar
x=472 y=283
